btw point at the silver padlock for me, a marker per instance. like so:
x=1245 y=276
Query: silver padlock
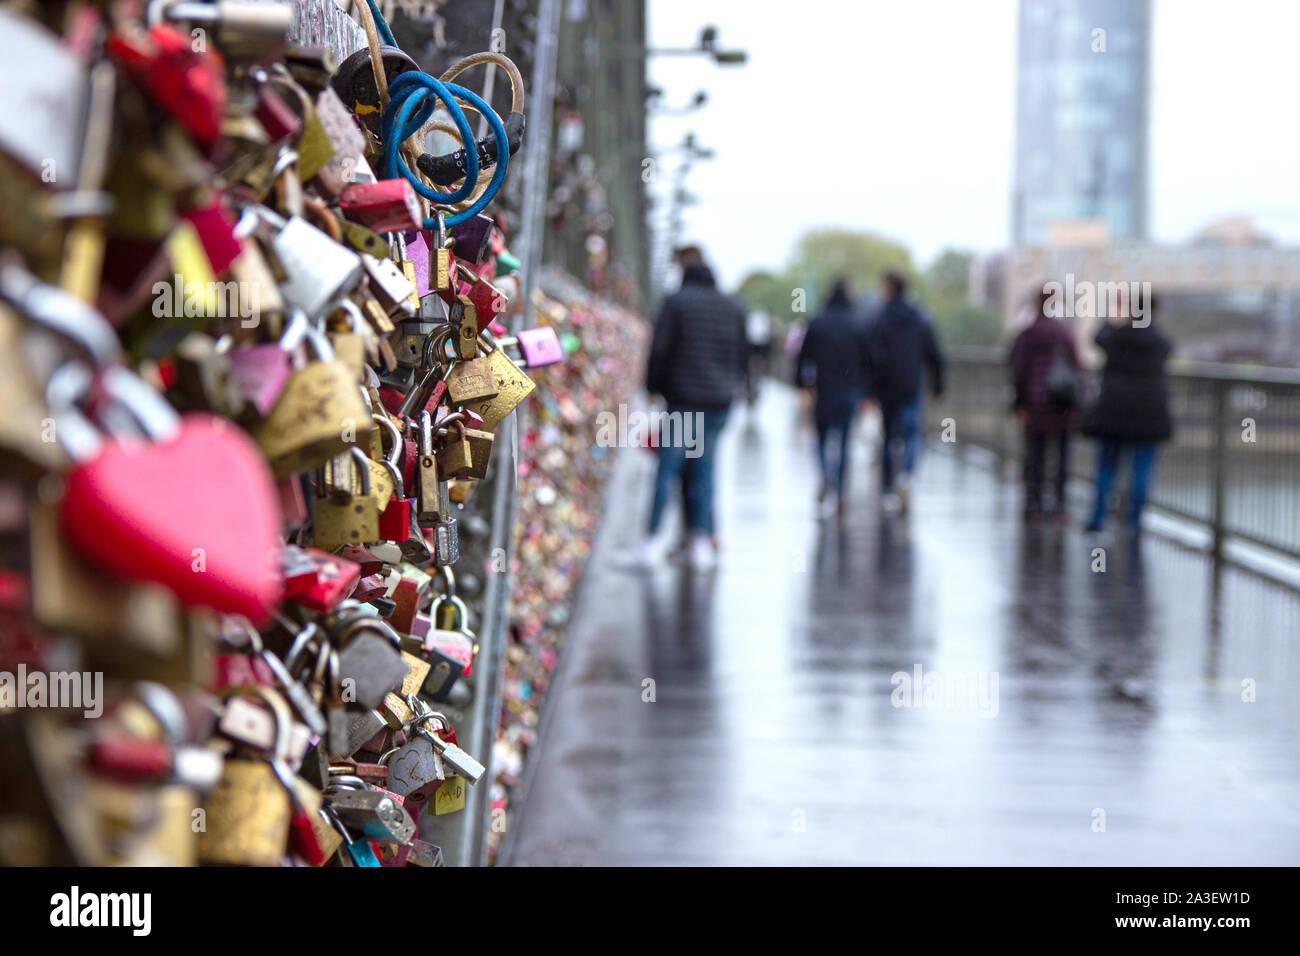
x=415 y=769
x=371 y=814
x=390 y=286
x=318 y=271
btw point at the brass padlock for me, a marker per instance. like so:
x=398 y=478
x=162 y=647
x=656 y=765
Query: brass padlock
x=351 y=518
x=512 y=384
x=439 y=258
x=456 y=457
x=470 y=380
x=465 y=317
x=320 y=413
x=480 y=447
x=429 y=508
x=247 y=815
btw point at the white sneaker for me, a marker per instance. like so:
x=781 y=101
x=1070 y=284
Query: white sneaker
x=904 y=485
x=891 y=503
x=646 y=553
x=703 y=555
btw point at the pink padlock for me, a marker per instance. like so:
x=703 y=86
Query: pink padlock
x=421 y=625
x=540 y=346
x=260 y=373
x=417 y=250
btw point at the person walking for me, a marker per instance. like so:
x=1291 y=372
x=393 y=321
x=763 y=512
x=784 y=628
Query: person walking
x=1131 y=415
x=697 y=363
x=833 y=364
x=901 y=349
x=1045 y=376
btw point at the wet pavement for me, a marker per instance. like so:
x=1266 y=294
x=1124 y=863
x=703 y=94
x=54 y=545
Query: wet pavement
x=1064 y=714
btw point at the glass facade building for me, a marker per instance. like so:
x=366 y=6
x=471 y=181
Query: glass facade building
x=1082 y=85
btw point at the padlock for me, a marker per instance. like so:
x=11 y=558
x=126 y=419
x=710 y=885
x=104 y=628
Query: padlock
x=248 y=814
x=128 y=505
x=513 y=386
x=370 y=662
x=348 y=163
x=186 y=80
x=389 y=205
x=392 y=288
x=332 y=579
x=473 y=238
x=455 y=458
x=318 y=415
x=454 y=758
x=259 y=373
x=440 y=257
x=395 y=519
x=169 y=839
x=406 y=265
x=540 y=346
x=482 y=300
x=22 y=450
x=369 y=813
x=243 y=29
x=349 y=515
x=470 y=380
x=134 y=627
x=318 y=271
x=358 y=344
x=363 y=240
x=415 y=770
x=424 y=854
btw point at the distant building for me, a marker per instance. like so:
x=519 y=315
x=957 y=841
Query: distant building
x=1230 y=294
x=1081 y=116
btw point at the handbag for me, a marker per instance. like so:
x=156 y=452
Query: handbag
x=1062 y=382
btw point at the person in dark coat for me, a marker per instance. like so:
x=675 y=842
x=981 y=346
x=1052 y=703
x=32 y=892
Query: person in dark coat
x=1042 y=350
x=1131 y=415
x=697 y=363
x=833 y=362
x=901 y=349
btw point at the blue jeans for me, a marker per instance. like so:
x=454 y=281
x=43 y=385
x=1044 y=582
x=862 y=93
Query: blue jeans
x=833 y=417
x=694 y=471
x=1144 y=463
x=902 y=422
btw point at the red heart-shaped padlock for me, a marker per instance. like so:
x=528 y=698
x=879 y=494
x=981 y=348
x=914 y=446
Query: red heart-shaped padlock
x=196 y=513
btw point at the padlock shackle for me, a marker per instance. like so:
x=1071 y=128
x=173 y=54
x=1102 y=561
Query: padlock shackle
x=60 y=313
x=386 y=423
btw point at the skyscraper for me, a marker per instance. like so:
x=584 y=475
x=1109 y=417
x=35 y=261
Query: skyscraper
x=1082 y=86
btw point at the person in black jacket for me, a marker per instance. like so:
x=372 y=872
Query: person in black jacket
x=697 y=363
x=1131 y=415
x=901 y=348
x=833 y=361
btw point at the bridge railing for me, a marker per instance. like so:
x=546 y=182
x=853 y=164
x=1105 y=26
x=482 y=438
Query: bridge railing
x=1232 y=465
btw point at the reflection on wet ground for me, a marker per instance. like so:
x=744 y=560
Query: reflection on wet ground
x=946 y=688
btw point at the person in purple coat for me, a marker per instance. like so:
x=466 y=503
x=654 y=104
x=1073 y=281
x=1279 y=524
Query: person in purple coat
x=1044 y=363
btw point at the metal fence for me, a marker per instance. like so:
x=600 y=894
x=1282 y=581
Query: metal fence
x=1232 y=465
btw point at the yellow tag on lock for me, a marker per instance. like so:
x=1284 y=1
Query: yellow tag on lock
x=450 y=796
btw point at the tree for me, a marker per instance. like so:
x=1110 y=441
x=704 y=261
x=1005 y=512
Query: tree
x=948 y=277
x=822 y=255
x=770 y=293
x=945 y=290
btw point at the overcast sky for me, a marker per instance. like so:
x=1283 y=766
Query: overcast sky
x=897 y=117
